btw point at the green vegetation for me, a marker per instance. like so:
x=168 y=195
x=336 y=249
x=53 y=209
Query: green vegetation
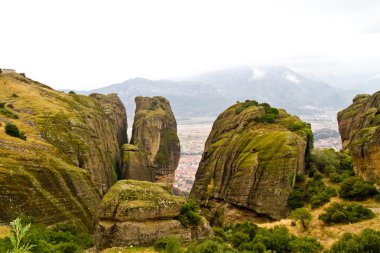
x=355 y=188
x=368 y=241
x=72 y=92
x=61 y=238
x=245 y=105
x=315 y=192
x=4 y=111
x=189 y=215
x=18 y=233
x=336 y=165
x=14 y=95
x=169 y=244
x=248 y=237
x=303 y=216
x=345 y=213
x=12 y=130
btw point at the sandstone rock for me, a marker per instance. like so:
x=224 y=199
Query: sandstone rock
x=155 y=132
x=359 y=127
x=137 y=213
x=71 y=154
x=250 y=164
x=136 y=164
x=131 y=200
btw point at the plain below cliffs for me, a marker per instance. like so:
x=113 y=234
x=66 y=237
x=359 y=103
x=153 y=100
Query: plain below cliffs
x=71 y=156
x=154 y=151
x=250 y=162
x=359 y=127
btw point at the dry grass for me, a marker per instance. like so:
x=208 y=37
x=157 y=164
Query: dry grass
x=327 y=235
x=4 y=231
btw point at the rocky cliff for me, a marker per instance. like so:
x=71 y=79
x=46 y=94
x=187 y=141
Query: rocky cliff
x=359 y=127
x=137 y=213
x=71 y=154
x=155 y=134
x=251 y=158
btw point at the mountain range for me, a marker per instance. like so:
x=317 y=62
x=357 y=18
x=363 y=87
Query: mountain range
x=210 y=93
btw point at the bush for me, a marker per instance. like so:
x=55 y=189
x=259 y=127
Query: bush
x=245 y=105
x=72 y=92
x=317 y=193
x=305 y=245
x=189 y=215
x=368 y=241
x=14 y=95
x=303 y=216
x=345 y=213
x=295 y=199
x=168 y=244
x=4 y=111
x=12 y=130
x=354 y=188
x=61 y=238
x=297 y=126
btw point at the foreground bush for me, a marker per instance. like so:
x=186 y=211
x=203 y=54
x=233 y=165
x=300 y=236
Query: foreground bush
x=345 y=213
x=12 y=130
x=355 y=188
x=248 y=237
x=368 y=241
x=168 y=244
x=61 y=238
x=189 y=215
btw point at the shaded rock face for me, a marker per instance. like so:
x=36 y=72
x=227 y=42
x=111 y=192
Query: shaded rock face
x=155 y=132
x=359 y=127
x=136 y=164
x=249 y=164
x=137 y=213
x=71 y=154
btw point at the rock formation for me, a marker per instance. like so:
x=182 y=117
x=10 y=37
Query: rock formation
x=359 y=127
x=154 y=135
x=251 y=158
x=137 y=213
x=71 y=155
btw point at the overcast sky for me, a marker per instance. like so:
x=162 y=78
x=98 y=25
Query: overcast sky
x=88 y=44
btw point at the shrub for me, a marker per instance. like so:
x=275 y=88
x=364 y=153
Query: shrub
x=60 y=238
x=72 y=92
x=4 y=111
x=354 y=188
x=303 y=216
x=345 y=213
x=295 y=199
x=168 y=244
x=368 y=241
x=305 y=245
x=17 y=234
x=14 y=95
x=12 y=130
x=317 y=193
x=297 y=126
x=245 y=105
x=189 y=215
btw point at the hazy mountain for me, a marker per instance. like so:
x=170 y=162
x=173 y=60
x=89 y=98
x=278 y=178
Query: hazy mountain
x=210 y=93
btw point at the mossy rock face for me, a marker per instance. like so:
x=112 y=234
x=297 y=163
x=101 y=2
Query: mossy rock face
x=155 y=132
x=70 y=156
x=359 y=127
x=248 y=164
x=131 y=200
x=136 y=164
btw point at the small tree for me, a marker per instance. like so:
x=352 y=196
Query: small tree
x=18 y=232
x=303 y=216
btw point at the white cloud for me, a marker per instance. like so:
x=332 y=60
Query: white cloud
x=257 y=73
x=290 y=77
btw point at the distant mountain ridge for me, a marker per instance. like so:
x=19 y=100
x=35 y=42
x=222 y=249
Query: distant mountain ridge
x=210 y=93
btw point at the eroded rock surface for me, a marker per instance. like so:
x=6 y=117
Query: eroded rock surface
x=251 y=159
x=137 y=213
x=155 y=133
x=70 y=157
x=359 y=127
